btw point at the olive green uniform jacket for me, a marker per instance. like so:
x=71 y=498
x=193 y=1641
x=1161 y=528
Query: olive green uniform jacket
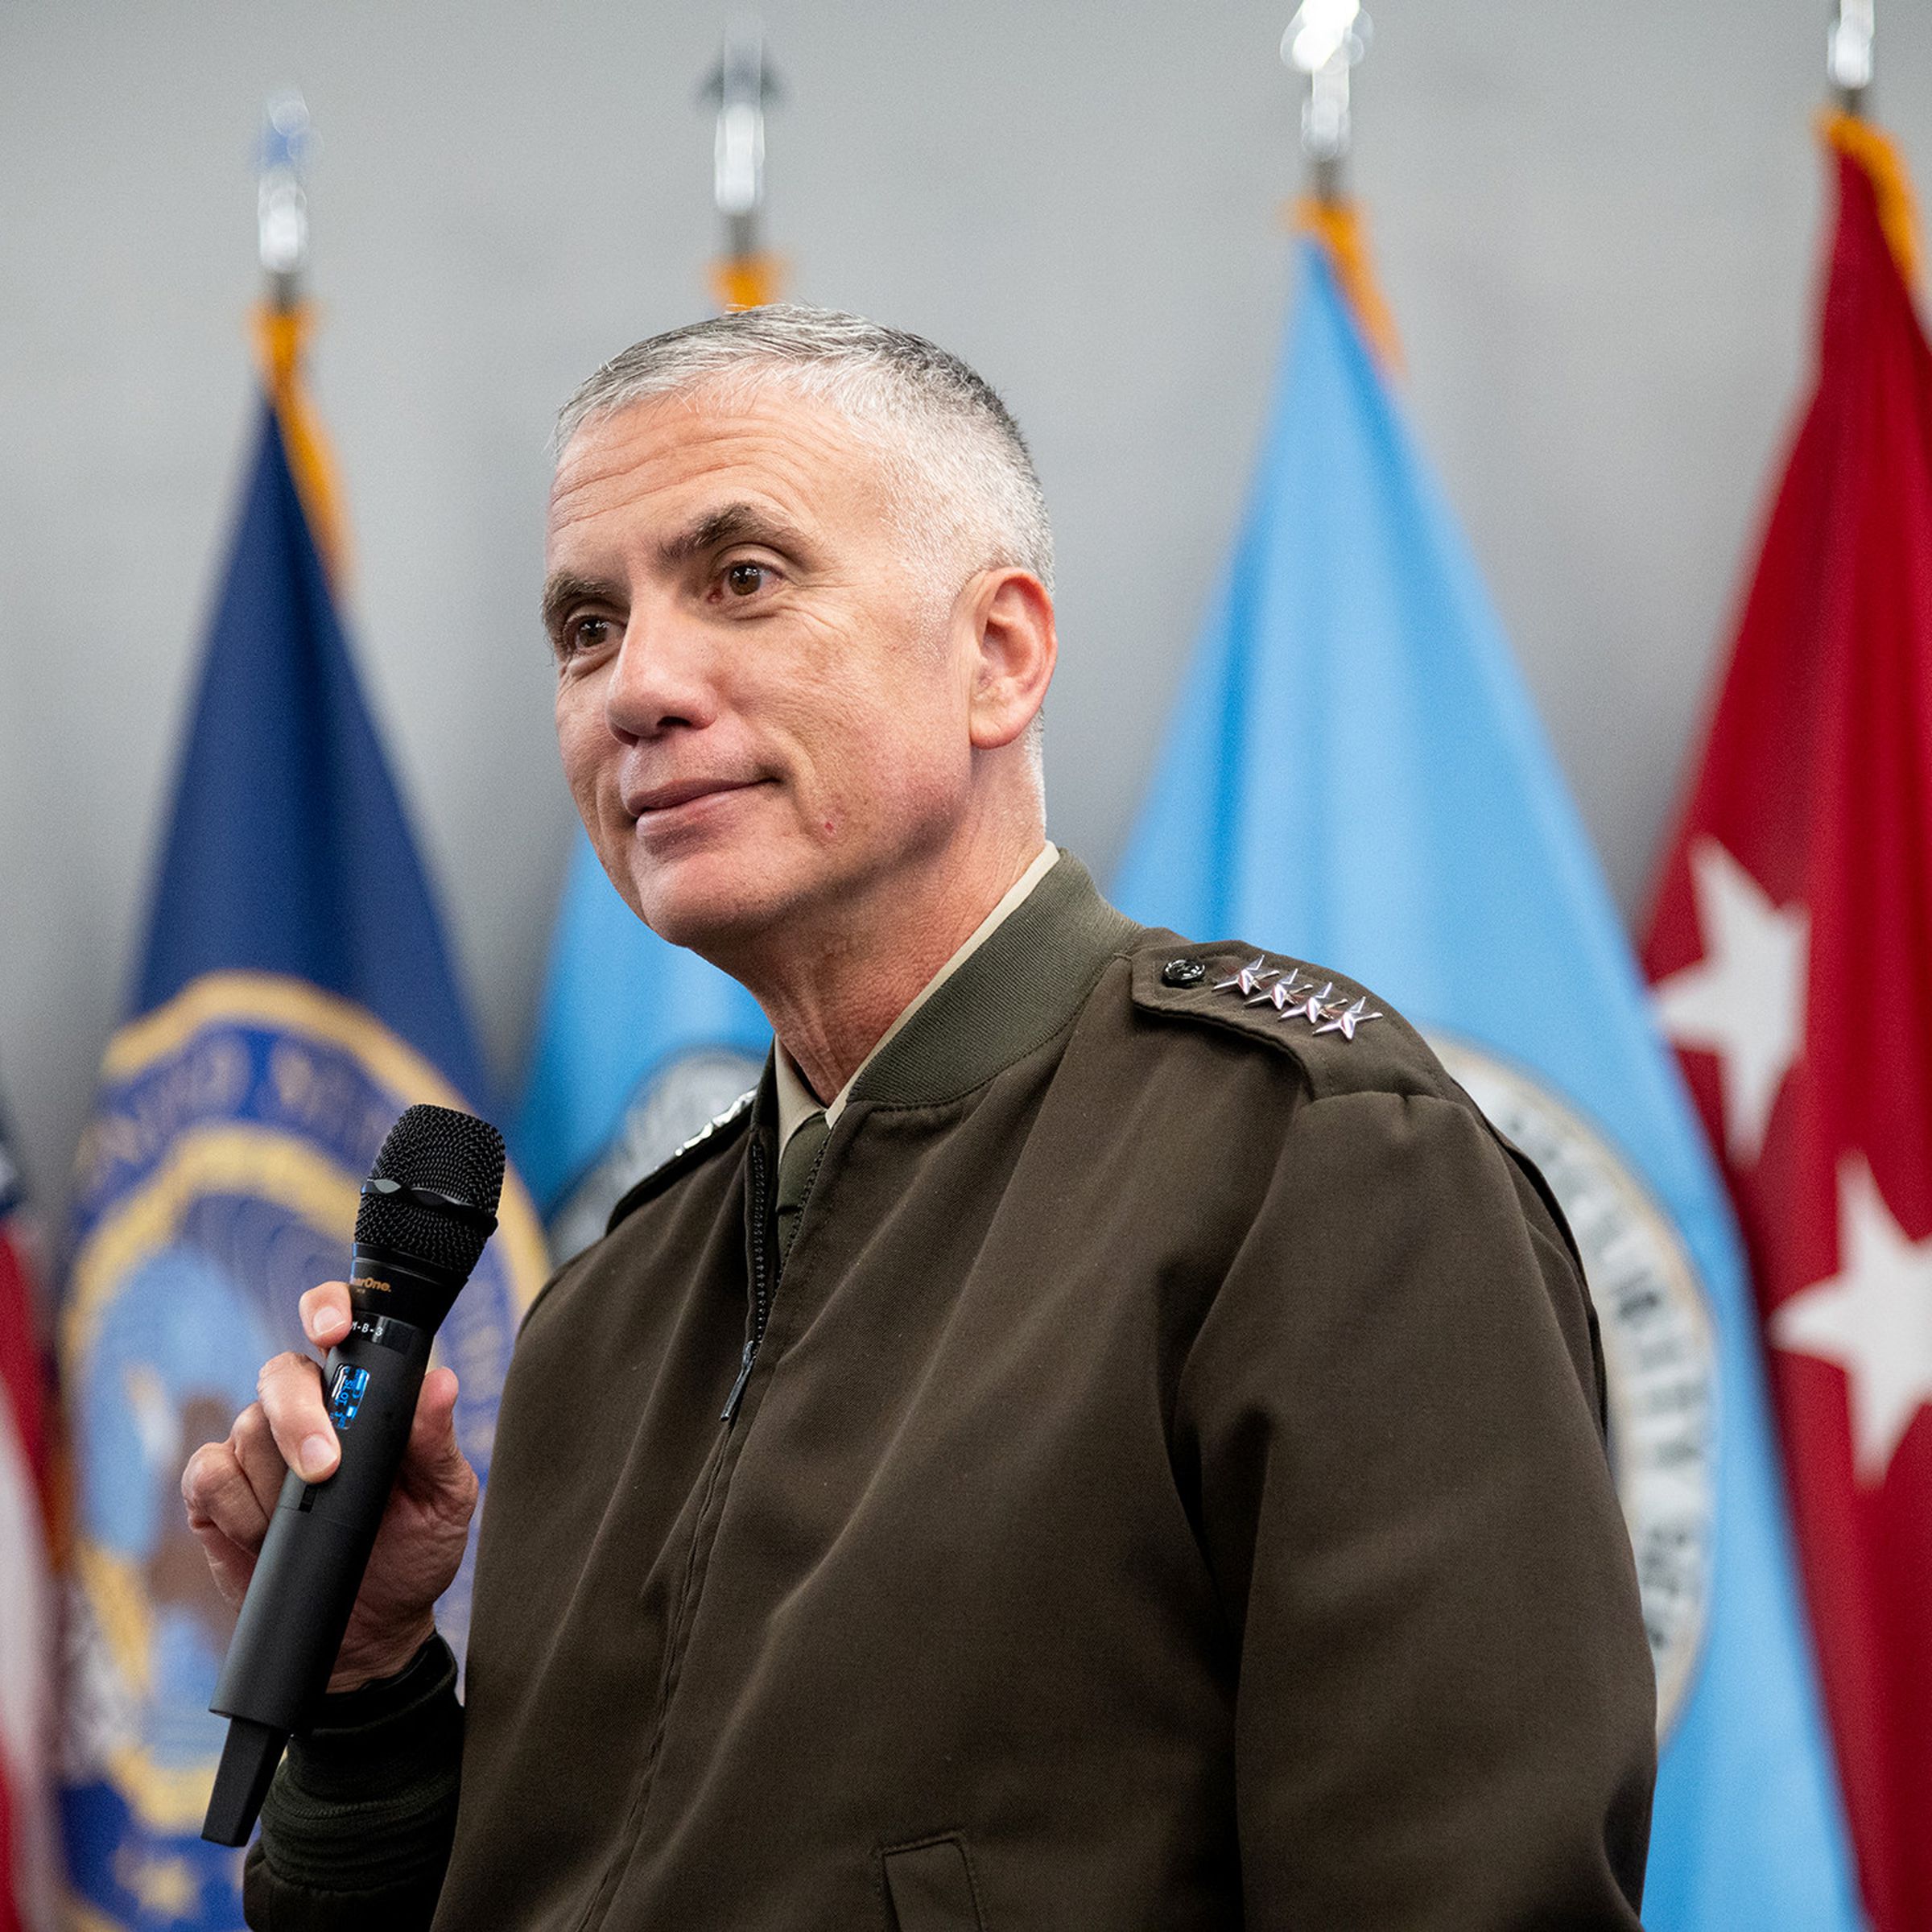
x=1168 y=1491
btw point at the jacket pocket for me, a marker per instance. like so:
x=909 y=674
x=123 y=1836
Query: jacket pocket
x=929 y=1887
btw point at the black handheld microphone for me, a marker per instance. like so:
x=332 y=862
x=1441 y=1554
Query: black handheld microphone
x=428 y=1207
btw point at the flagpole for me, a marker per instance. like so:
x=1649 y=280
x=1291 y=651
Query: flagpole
x=1325 y=40
x=1850 y=132
x=282 y=320
x=743 y=276
x=1848 y=54
x=282 y=200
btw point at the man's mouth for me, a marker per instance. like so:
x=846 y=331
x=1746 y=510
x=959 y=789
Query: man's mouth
x=658 y=800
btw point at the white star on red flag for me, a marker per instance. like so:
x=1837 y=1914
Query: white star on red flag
x=1745 y=1000
x=1873 y=1318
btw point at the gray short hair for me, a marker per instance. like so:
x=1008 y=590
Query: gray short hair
x=966 y=494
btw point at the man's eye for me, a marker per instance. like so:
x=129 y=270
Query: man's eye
x=745 y=580
x=586 y=633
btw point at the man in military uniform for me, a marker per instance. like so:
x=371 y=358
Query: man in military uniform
x=1105 y=1436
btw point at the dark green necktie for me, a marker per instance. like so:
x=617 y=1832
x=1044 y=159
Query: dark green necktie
x=795 y=1166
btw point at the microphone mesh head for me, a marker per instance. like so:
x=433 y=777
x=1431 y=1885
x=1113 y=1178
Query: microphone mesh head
x=455 y=1154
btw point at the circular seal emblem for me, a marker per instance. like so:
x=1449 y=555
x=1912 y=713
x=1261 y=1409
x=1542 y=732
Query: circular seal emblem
x=219 y=1180
x=1660 y=1352
x=675 y=1100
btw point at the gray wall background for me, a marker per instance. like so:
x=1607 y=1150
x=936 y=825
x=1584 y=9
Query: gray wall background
x=1598 y=226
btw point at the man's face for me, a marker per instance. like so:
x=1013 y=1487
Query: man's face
x=762 y=701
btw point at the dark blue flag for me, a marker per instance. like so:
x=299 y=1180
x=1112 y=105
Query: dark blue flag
x=294 y=994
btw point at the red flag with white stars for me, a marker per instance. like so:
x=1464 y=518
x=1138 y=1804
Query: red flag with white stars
x=26 y=1637
x=1791 y=955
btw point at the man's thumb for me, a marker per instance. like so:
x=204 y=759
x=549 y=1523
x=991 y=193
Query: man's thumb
x=433 y=1455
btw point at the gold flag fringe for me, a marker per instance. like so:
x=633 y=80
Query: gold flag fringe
x=1341 y=230
x=746 y=281
x=1878 y=155
x=281 y=336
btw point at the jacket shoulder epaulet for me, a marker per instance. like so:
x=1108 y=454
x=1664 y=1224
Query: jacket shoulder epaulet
x=715 y=1134
x=1345 y=1038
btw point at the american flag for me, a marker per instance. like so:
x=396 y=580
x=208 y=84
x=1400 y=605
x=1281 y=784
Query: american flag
x=27 y=1883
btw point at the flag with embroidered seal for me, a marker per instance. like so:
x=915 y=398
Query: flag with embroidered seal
x=294 y=994
x=1355 y=775
x=639 y=1044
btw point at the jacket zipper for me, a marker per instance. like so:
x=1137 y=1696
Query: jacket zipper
x=763 y=1286
x=760 y=1285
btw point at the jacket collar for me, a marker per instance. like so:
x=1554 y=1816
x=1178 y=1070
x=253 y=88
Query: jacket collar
x=1010 y=995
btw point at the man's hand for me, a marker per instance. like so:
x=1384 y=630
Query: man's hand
x=230 y=1489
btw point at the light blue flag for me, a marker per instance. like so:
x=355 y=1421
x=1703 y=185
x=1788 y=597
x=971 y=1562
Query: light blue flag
x=638 y=1044
x=1354 y=776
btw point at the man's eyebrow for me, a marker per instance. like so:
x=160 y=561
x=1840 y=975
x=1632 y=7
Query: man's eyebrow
x=566 y=588
x=734 y=523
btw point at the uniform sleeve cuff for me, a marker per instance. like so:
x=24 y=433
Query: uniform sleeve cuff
x=366 y=1799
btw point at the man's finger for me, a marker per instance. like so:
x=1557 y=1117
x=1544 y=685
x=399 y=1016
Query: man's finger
x=262 y=1462
x=221 y=1501
x=326 y=1314
x=291 y=1388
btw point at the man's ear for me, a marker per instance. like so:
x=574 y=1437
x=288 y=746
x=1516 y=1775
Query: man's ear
x=1016 y=649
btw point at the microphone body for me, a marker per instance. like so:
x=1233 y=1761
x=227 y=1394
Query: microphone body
x=317 y=1547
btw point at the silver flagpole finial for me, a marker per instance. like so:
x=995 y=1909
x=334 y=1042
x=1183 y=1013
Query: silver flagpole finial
x=282 y=196
x=1848 y=51
x=1324 y=40
x=741 y=86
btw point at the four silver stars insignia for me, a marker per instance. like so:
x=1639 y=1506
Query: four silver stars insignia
x=1293 y=996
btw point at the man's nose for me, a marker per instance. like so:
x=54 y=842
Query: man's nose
x=662 y=679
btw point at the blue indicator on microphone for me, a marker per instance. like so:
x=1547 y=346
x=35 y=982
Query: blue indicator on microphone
x=346 y=1397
